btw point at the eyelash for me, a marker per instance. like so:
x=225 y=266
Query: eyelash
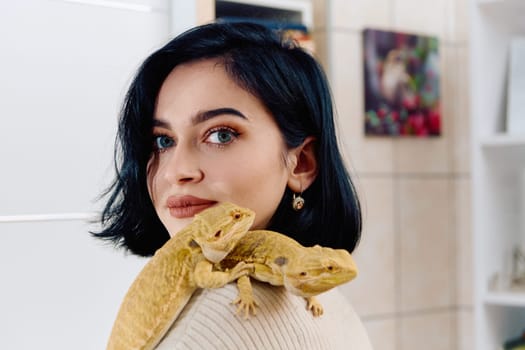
x=227 y=129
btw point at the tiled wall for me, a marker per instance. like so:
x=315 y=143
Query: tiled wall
x=414 y=288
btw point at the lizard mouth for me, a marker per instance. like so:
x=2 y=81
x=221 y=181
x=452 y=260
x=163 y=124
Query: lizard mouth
x=216 y=249
x=317 y=285
x=213 y=255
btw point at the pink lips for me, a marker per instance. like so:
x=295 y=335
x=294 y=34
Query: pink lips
x=187 y=206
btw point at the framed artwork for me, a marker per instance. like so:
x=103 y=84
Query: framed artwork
x=402 y=90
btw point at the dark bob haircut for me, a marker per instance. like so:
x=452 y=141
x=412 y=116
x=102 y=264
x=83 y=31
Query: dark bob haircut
x=292 y=86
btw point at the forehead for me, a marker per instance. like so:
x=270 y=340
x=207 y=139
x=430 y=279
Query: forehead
x=211 y=72
x=200 y=85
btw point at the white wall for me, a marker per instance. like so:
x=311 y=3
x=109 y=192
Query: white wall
x=64 y=68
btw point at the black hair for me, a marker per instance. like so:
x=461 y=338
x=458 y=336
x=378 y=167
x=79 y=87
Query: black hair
x=292 y=86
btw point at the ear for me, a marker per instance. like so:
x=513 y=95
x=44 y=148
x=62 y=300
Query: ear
x=303 y=165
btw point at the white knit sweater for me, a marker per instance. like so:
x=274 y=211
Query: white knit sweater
x=209 y=321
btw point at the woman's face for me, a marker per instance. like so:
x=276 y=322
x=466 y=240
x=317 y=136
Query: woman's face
x=213 y=142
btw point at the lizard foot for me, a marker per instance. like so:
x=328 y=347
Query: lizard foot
x=246 y=304
x=314 y=306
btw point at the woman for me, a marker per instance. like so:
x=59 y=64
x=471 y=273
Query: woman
x=230 y=112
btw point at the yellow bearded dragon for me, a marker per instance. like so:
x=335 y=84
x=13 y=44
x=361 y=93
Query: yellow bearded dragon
x=171 y=276
x=282 y=261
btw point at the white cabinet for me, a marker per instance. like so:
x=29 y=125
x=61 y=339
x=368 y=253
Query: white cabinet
x=60 y=288
x=498 y=173
x=64 y=67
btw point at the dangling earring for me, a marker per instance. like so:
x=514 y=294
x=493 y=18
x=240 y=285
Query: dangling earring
x=298 y=202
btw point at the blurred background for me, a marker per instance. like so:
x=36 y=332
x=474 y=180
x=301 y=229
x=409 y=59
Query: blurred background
x=64 y=68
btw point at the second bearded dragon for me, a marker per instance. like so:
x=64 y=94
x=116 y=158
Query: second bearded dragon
x=282 y=261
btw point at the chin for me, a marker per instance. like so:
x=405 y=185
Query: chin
x=174 y=227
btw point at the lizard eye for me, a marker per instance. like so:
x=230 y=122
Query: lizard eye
x=303 y=273
x=218 y=233
x=237 y=216
x=330 y=268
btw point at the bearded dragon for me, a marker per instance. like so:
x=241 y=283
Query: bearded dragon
x=282 y=261
x=177 y=269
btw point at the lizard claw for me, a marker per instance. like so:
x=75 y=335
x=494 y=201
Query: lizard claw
x=314 y=306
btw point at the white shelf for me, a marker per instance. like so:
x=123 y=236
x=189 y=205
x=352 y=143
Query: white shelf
x=498 y=167
x=502 y=3
x=503 y=140
x=512 y=299
x=504 y=153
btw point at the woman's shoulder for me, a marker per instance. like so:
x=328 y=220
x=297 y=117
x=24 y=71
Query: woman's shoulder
x=209 y=321
x=342 y=324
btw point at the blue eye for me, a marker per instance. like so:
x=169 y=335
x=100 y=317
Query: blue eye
x=222 y=136
x=163 y=142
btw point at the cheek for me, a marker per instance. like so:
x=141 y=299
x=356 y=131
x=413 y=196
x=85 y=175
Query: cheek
x=248 y=171
x=257 y=182
x=151 y=176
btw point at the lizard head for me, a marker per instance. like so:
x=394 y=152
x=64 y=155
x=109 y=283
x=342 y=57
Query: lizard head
x=220 y=228
x=318 y=271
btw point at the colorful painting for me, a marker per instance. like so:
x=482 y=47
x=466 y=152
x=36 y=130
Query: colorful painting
x=401 y=84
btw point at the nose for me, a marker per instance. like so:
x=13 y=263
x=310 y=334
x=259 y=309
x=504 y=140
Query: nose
x=183 y=166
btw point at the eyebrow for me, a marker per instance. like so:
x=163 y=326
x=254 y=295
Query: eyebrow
x=203 y=116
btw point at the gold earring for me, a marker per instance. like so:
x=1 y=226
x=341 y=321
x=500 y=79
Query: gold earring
x=298 y=202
